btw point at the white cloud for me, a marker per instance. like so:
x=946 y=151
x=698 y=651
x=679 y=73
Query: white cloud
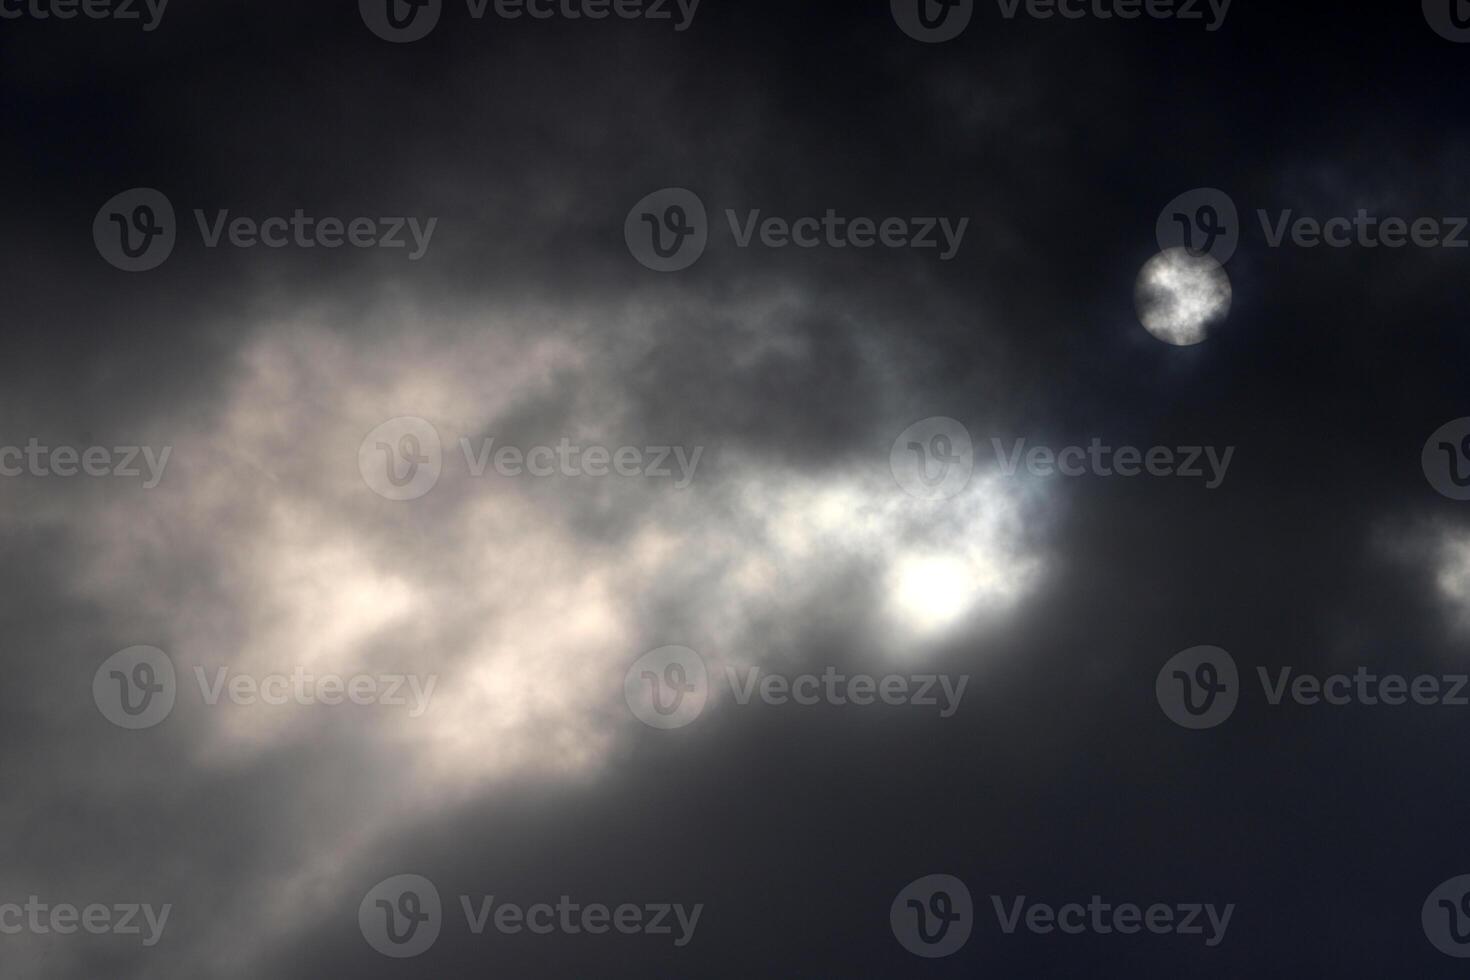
x=264 y=550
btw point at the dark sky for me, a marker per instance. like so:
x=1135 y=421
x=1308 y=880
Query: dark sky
x=263 y=549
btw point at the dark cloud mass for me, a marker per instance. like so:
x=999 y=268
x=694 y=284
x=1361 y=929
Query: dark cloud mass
x=335 y=500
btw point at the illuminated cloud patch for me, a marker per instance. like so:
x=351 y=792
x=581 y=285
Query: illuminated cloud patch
x=265 y=552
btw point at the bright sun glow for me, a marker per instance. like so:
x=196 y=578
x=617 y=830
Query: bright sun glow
x=930 y=593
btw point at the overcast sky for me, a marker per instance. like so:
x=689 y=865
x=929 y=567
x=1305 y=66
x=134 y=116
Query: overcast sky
x=762 y=516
